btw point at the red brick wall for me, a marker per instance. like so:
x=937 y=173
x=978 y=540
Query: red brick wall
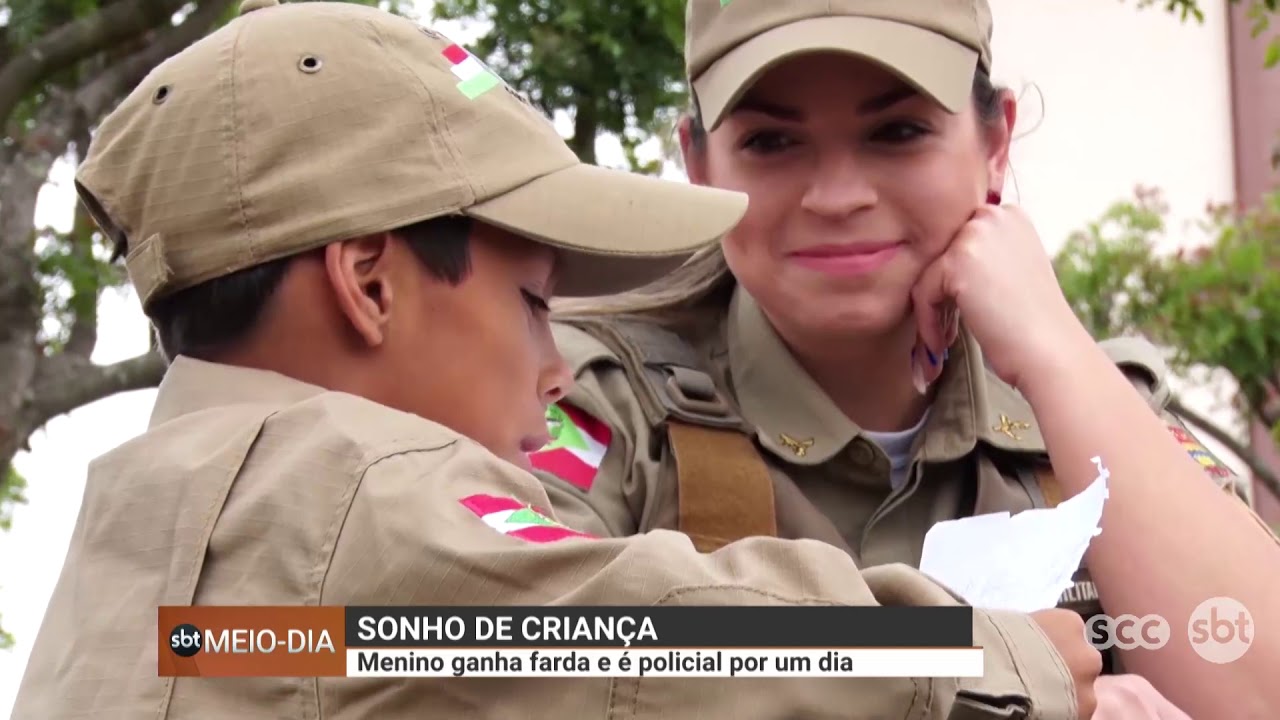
x=1256 y=119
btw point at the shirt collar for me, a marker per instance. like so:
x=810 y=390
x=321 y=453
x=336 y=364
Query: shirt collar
x=798 y=422
x=973 y=405
x=191 y=385
x=793 y=417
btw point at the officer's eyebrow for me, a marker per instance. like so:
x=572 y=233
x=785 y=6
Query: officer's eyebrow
x=886 y=100
x=878 y=103
x=774 y=110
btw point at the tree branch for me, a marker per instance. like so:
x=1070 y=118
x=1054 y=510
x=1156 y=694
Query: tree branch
x=83 y=336
x=99 y=95
x=1260 y=469
x=75 y=41
x=65 y=382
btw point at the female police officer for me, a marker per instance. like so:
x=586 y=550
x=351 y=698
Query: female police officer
x=815 y=357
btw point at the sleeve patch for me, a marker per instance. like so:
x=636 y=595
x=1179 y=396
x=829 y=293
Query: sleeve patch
x=511 y=517
x=578 y=444
x=1200 y=453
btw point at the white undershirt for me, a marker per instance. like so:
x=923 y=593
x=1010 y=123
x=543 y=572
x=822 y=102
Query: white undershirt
x=897 y=445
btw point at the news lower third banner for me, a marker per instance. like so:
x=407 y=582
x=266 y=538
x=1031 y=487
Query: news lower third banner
x=687 y=641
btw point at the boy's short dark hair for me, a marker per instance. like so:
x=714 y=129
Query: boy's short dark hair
x=207 y=318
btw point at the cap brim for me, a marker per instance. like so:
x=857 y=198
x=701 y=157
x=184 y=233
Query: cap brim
x=615 y=230
x=934 y=64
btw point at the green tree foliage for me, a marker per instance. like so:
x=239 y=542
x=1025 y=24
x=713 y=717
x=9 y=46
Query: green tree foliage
x=1216 y=306
x=1259 y=13
x=63 y=65
x=614 y=67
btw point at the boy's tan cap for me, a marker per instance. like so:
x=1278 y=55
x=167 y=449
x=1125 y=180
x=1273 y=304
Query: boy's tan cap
x=301 y=124
x=933 y=44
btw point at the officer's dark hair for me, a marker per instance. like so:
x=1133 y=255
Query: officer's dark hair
x=212 y=316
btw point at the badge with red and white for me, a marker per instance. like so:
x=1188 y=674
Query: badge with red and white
x=474 y=77
x=578 y=444
x=519 y=520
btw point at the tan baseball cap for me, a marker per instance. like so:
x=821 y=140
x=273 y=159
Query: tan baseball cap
x=935 y=45
x=297 y=125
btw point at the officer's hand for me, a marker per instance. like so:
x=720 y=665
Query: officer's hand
x=1131 y=697
x=1066 y=631
x=997 y=277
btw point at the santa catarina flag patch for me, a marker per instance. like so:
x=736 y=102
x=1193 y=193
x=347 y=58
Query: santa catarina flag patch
x=578 y=444
x=519 y=520
x=474 y=77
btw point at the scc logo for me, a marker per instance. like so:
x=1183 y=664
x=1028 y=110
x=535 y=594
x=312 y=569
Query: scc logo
x=1127 y=632
x=184 y=640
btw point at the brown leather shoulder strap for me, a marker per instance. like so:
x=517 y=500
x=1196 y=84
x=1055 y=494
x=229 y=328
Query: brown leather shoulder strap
x=723 y=487
x=1049 y=486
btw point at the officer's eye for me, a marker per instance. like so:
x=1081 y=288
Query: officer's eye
x=767 y=142
x=899 y=132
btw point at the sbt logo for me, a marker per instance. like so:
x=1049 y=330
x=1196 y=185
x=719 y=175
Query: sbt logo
x=1221 y=630
x=186 y=640
x=1127 y=632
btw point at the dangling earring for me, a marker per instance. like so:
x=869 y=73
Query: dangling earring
x=993 y=197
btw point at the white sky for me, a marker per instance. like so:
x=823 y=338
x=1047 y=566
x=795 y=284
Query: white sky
x=1129 y=97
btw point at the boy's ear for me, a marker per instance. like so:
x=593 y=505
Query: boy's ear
x=359 y=272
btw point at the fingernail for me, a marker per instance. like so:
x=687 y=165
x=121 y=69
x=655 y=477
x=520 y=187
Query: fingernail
x=917 y=377
x=933 y=359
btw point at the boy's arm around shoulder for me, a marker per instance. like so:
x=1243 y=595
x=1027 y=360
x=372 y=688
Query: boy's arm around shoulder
x=454 y=525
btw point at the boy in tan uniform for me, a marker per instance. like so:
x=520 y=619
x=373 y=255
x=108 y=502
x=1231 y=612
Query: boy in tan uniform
x=346 y=231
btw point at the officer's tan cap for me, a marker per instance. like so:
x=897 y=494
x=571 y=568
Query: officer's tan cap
x=935 y=45
x=297 y=125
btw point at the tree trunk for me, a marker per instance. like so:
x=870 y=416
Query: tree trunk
x=585 y=126
x=36 y=386
x=20 y=297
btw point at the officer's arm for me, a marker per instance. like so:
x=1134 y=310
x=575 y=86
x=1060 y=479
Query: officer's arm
x=596 y=471
x=1170 y=539
x=435 y=528
x=1149 y=375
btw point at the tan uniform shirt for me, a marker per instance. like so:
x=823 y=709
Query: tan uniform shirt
x=977 y=453
x=250 y=488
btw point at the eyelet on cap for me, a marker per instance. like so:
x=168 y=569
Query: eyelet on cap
x=161 y=94
x=309 y=64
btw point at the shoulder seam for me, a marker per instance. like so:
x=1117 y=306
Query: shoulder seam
x=339 y=522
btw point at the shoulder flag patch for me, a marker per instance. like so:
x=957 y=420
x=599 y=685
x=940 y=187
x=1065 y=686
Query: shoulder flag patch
x=519 y=520
x=1199 y=453
x=474 y=77
x=577 y=447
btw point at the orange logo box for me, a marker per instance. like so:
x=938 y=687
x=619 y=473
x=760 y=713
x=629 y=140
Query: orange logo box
x=252 y=641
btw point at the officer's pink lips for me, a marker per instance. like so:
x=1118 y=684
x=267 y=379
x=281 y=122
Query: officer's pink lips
x=848 y=259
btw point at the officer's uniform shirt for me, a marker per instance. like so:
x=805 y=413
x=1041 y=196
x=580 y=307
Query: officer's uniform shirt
x=978 y=450
x=250 y=488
